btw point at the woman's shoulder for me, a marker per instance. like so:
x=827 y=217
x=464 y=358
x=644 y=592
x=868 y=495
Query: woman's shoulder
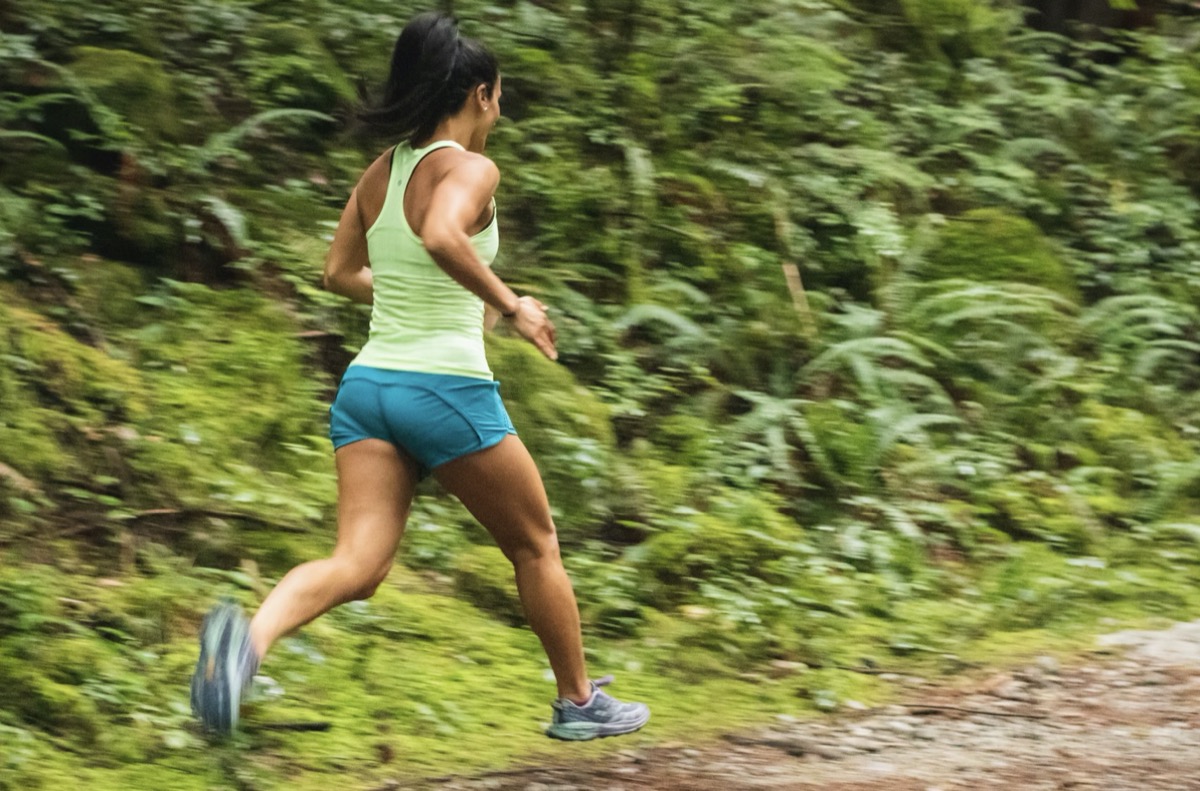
x=468 y=166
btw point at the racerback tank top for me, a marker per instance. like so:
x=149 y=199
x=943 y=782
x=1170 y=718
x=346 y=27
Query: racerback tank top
x=422 y=319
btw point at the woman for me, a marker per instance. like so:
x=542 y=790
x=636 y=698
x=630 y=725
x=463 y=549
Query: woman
x=416 y=241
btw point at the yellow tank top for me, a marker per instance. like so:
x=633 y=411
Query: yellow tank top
x=422 y=319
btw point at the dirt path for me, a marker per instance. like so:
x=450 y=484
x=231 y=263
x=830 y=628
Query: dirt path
x=1128 y=719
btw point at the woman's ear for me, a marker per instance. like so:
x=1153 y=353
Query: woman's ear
x=482 y=95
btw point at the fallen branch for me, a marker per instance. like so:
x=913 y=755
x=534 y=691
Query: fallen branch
x=931 y=708
x=871 y=671
x=290 y=726
x=215 y=513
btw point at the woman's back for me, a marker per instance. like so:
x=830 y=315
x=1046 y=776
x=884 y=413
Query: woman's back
x=422 y=319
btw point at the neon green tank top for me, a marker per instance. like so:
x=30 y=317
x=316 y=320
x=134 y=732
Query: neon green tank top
x=422 y=319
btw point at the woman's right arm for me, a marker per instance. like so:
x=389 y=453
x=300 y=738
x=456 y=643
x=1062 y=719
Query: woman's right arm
x=347 y=266
x=459 y=199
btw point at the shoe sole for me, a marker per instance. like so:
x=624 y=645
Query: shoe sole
x=216 y=696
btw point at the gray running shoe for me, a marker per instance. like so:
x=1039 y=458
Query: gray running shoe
x=226 y=667
x=603 y=715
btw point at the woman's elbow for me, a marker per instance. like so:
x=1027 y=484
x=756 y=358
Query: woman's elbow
x=331 y=282
x=438 y=243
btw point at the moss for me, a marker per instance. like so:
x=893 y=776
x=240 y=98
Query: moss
x=651 y=492
x=544 y=395
x=138 y=88
x=27 y=439
x=485 y=577
x=739 y=536
x=52 y=384
x=108 y=291
x=75 y=376
x=44 y=703
x=956 y=29
x=236 y=416
x=1033 y=504
x=407 y=670
x=1130 y=440
x=993 y=245
x=688 y=439
x=564 y=425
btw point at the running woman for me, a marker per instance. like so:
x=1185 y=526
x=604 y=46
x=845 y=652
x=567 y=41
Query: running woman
x=416 y=242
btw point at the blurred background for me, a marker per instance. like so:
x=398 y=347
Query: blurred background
x=879 y=341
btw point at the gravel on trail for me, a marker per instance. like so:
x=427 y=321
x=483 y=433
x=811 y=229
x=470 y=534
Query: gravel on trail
x=1123 y=719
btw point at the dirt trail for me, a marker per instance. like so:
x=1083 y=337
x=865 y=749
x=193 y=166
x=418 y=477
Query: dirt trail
x=1124 y=719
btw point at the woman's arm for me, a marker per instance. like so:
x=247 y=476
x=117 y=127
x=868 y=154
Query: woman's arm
x=491 y=317
x=347 y=267
x=463 y=194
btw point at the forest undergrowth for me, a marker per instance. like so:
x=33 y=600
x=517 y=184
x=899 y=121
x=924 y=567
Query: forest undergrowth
x=878 y=338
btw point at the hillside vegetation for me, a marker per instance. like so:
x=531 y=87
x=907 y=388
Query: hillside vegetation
x=879 y=340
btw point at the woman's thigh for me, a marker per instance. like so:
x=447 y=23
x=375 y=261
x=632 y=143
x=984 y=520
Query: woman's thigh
x=376 y=482
x=502 y=488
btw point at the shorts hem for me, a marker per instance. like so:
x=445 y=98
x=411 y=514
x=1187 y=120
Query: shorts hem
x=483 y=444
x=422 y=470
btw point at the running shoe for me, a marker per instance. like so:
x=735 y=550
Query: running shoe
x=601 y=716
x=226 y=667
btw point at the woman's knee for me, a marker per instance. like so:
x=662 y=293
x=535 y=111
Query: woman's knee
x=361 y=577
x=536 y=544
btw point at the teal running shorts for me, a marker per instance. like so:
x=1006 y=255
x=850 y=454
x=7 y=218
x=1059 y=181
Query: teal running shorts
x=435 y=418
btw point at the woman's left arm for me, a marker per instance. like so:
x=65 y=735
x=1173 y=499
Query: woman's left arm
x=347 y=265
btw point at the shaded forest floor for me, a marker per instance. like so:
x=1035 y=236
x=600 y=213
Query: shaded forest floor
x=1122 y=717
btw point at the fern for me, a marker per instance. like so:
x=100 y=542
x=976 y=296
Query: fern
x=865 y=359
x=640 y=315
x=31 y=136
x=898 y=425
x=225 y=144
x=777 y=425
x=1153 y=338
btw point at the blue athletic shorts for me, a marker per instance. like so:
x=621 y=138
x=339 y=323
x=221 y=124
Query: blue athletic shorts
x=435 y=418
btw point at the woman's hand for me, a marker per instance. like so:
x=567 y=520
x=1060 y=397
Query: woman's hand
x=531 y=323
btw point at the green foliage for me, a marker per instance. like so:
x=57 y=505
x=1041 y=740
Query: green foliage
x=288 y=66
x=739 y=537
x=136 y=87
x=485 y=577
x=202 y=351
x=990 y=245
x=976 y=409
x=564 y=426
x=957 y=29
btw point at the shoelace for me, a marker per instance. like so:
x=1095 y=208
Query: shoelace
x=604 y=681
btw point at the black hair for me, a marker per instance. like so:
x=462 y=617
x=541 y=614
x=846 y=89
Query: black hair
x=434 y=69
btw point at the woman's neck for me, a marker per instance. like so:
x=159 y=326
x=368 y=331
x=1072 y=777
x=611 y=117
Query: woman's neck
x=461 y=130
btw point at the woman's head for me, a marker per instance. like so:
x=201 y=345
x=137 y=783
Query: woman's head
x=435 y=74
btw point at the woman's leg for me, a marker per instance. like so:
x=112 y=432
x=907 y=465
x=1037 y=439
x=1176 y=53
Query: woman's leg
x=376 y=482
x=502 y=488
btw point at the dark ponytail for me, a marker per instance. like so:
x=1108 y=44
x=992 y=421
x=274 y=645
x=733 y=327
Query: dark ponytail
x=433 y=71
